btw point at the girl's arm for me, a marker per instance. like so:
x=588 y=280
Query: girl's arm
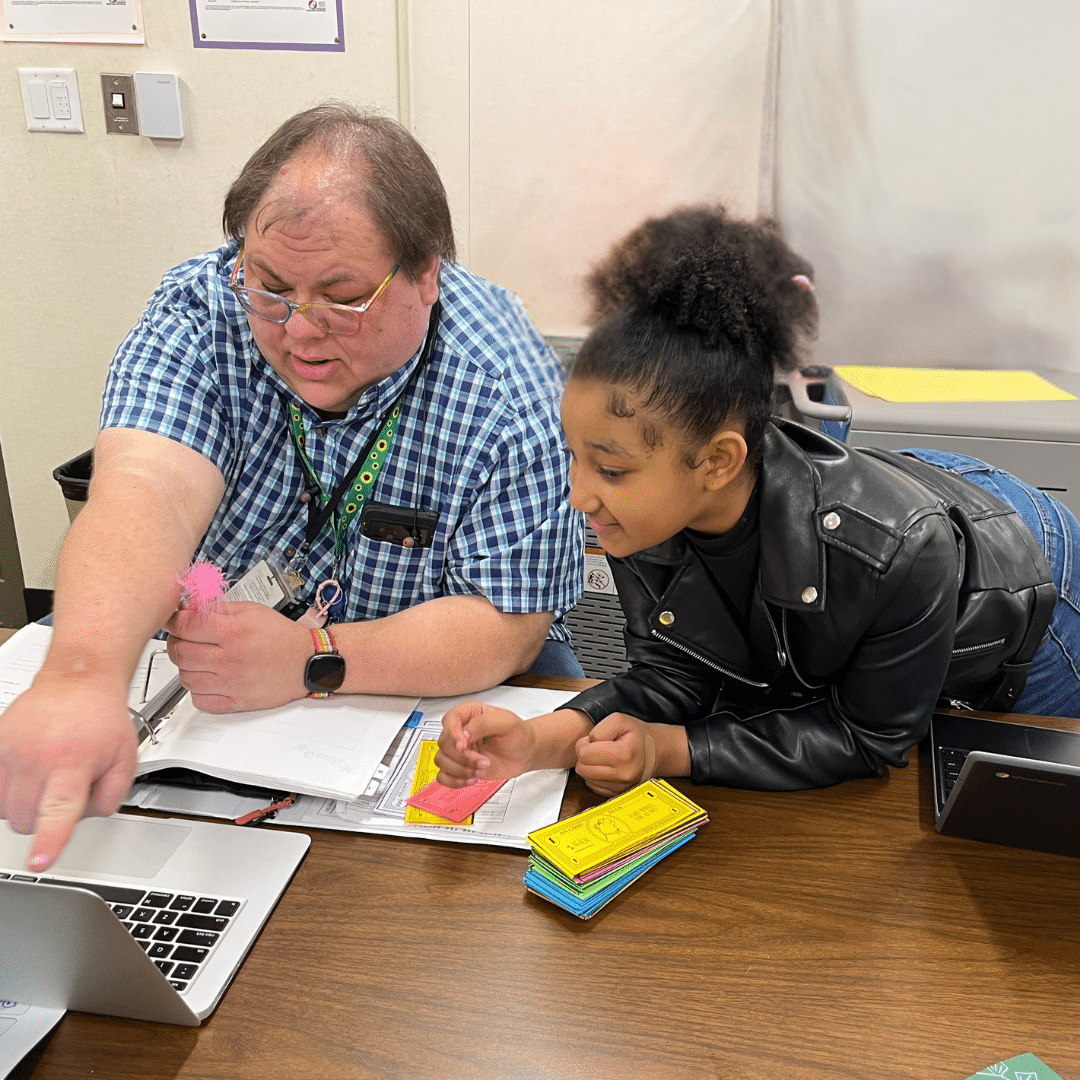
x=482 y=742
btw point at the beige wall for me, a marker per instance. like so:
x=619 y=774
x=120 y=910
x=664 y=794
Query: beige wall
x=557 y=124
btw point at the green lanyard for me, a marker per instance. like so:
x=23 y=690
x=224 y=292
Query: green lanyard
x=362 y=483
x=355 y=487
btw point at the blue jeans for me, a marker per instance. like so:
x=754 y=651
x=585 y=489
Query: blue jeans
x=556 y=658
x=1053 y=683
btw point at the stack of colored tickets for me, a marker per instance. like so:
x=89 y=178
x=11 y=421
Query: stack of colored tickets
x=584 y=861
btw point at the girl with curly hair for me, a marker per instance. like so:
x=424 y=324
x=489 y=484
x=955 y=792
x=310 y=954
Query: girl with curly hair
x=795 y=608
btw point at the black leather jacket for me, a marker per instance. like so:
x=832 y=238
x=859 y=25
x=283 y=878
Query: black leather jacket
x=883 y=584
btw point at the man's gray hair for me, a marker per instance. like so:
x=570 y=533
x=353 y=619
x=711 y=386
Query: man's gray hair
x=389 y=175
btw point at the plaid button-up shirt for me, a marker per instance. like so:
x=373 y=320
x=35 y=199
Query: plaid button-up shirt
x=479 y=442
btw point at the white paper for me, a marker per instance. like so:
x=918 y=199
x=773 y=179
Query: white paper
x=24 y=652
x=260 y=585
x=22 y=1027
x=328 y=747
x=316 y=746
x=522 y=805
x=100 y=21
x=20 y=657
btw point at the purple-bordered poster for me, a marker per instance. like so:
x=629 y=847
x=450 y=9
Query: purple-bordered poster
x=309 y=25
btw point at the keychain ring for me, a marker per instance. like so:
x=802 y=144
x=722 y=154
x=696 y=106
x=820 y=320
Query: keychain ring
x=322 y=602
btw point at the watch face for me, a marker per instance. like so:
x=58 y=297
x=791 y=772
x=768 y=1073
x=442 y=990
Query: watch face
x=325 y=671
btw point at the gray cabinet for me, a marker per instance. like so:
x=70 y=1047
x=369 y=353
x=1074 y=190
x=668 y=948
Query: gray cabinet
x=1039 y=441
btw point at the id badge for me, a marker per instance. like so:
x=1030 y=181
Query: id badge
x=267 y=582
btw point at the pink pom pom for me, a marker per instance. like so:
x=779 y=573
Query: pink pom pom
x=204 y=585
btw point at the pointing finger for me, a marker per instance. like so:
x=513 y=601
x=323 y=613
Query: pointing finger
x=61 y=808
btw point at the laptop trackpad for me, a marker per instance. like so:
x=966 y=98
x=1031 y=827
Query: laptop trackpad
x=128 y=847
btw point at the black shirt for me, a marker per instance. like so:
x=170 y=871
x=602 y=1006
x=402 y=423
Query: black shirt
x=731 y=559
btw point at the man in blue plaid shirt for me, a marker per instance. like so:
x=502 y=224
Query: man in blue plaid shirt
x=334 y=329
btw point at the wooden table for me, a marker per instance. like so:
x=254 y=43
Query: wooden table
x=817 y=934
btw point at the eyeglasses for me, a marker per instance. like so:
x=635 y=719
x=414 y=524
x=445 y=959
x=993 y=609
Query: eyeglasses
x=333 y=318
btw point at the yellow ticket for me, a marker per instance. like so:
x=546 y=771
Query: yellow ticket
x=426 y=771
x=625 y=823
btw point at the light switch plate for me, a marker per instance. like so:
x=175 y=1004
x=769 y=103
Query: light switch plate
x=51 y=99
x=118 y=99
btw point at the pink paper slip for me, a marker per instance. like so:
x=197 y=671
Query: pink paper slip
x=454 y=803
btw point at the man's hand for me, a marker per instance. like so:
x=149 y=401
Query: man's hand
x=67 y=751
x=481 y=742
x=239 y=657
x=618 y=754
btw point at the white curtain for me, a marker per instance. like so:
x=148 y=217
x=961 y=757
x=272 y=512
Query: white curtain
x=927 y=161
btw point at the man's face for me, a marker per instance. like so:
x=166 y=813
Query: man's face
x=334 y=254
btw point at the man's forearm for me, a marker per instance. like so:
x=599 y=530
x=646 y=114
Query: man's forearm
x=117 y=577
x=113 y=591
x=450 y=645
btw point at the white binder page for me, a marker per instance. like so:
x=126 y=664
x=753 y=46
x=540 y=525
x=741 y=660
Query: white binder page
x=315 y=746
x=22 y=1027
x=327 y=747
x=520 y=806
x=24 y=652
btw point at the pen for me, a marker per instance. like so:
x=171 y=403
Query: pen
x=256 y=817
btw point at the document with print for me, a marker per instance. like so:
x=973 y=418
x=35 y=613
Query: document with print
x=328 y=747
x=279 y=24
x=519 y=806
x=1022 y=1067
x=22 y=655
x=22 y=1027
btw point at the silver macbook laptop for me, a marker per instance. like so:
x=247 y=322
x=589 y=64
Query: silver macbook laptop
x=1007 y=783
x=147 y=918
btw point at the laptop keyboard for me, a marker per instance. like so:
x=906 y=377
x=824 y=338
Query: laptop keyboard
x=952 y=761
x=178 y=931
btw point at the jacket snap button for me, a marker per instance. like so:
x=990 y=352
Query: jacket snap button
x=831 y=520
x=809 y=595
x=667 y=618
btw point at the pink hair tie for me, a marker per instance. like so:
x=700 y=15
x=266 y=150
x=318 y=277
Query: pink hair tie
x=803 y=282
x=204 y=586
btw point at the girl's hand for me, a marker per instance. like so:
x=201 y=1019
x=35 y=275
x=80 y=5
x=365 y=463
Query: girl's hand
x=481 y=742
x=618 y=754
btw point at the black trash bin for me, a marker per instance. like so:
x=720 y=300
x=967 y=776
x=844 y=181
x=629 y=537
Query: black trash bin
x=74 y=479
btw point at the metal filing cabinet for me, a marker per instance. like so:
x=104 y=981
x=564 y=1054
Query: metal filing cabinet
x=596 y=622
x=1039 y=441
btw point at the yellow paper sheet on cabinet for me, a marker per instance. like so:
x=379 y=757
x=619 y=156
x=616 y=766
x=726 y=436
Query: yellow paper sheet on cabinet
x=899 y=384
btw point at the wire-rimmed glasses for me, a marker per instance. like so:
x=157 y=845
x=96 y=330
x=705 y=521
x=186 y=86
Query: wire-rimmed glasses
x=332 y=318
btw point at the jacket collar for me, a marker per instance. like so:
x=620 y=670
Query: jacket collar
x=792 y=555
x=792 y=552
